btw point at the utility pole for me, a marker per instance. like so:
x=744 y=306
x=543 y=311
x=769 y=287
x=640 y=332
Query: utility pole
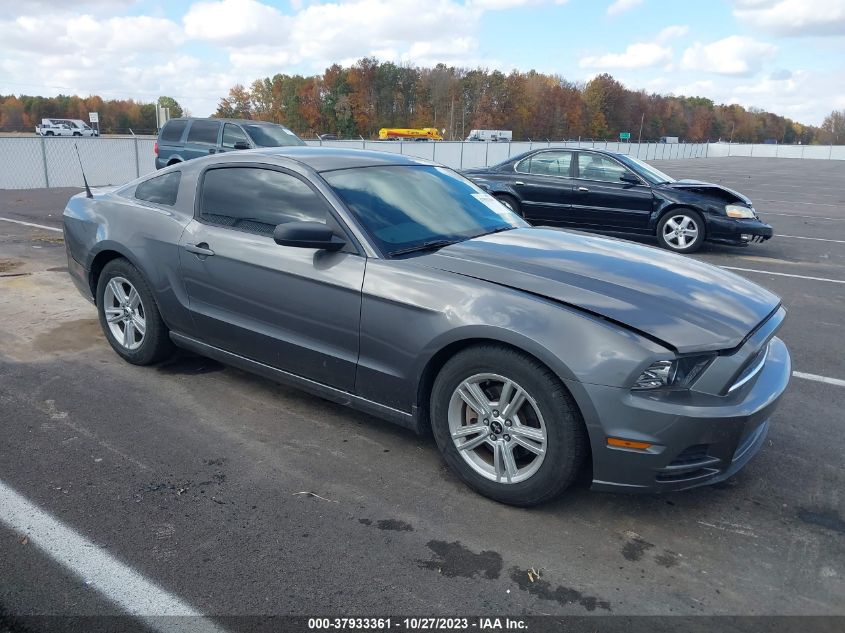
x=733 y=125
x=640 y=140
x=452 y=121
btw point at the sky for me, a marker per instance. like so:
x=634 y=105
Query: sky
x=785 y=56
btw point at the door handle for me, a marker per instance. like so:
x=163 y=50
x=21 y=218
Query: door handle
x=582 y=189
x=200 y=249
x=519 y=182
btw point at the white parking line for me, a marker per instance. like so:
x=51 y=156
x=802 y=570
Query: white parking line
x=119 y=583
x=796 y=215
x=769 y=272
x=824 y=379
x=37 y=226
x=815 y=239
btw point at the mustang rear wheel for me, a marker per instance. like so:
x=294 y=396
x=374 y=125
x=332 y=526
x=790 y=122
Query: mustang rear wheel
x=129 y=316
x=681 y=230
x=507 y=425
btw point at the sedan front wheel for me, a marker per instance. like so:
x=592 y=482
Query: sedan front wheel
x=681 y=230
x=507 y=425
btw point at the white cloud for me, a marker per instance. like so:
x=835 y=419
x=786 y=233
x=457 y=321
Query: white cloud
x=671 y=33
x=793 y=17
x=620 y=6
x=639 y=55
x=734 y=55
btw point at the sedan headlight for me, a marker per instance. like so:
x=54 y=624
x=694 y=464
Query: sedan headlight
x=738 y=211
x=677 y=374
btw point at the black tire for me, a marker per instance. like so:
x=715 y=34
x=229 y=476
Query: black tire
x=678 y=216
x=510 y=202
x=155 y=345
x=48 y=134
x=566 y=437
x=77 y=134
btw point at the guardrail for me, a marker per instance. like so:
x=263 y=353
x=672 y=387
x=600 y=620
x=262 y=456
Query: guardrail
x=37 y=162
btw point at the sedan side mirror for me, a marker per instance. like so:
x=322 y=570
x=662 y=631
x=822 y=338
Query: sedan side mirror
x=241 y=145
x=629 y=178
x=307 y=235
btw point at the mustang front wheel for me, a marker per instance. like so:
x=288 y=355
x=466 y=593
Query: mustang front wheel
x=507 y=425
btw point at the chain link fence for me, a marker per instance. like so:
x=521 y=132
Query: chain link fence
x=36 y=162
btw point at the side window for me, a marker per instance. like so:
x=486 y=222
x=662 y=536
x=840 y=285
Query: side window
x=233 y=134
x=256 y=200
x=161 y=189
x=172 y=131
x=596 y=167
x=204 y=131
x=547 y=164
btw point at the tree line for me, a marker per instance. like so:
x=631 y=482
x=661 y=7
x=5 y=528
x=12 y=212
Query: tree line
x=358 y=100
x=23 y=113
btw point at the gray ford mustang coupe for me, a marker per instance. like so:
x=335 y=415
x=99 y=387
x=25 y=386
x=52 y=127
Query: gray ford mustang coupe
x=398 y=287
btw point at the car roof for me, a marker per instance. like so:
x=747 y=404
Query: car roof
x=332 y=158
x=224 y=120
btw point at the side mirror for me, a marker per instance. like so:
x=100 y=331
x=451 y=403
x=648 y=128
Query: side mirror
x=241 y=145
x=629 y=178
x=307 y=235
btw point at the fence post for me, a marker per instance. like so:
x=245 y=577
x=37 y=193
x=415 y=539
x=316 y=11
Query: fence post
x=487 y=153
x=137 y=158
x=44 y=160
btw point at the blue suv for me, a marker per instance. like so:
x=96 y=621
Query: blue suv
x=186 y=138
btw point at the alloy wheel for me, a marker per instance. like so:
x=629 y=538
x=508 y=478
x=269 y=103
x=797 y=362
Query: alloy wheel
x=680 y=231
x=497 y=428
x=125 y=313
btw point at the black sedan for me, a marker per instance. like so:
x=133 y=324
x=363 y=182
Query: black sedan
x=607 y=191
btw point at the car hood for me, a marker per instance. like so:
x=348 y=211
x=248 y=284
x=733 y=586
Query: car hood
x=708 y=189
x=685 y=304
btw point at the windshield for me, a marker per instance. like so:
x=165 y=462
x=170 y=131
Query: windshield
x=651 y=174
x=403 y=207
x=272 y=136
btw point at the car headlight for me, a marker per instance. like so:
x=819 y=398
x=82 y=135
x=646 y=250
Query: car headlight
x=738 y=211
x=678 y=373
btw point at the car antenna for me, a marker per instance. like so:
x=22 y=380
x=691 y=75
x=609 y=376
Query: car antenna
x=88 y=193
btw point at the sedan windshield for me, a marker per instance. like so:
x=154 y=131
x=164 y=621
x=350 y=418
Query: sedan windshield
x=651 y=174
x=416 y=207
x=272 y=136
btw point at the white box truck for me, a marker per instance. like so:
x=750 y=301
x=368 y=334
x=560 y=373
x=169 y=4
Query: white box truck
x=492 y=136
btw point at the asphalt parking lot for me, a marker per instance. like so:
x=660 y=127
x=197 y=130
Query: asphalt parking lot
x=197 y=476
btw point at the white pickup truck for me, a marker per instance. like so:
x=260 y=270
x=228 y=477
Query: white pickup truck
x=64 y=127
x=53 y=128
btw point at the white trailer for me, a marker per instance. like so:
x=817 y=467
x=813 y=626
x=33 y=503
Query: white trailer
x=669 y=139
x=492 y=136
x=64 y=127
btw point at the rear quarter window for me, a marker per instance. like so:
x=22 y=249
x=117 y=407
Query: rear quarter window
x=172 y=131
x=161 y=189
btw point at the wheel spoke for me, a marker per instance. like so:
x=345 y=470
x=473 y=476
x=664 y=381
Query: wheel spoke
x=113 y=315
x=682 y=240
x=528 y=432
x=528 y=445
x=474 y=442
x=515 y=402
x=685 y=222
x=509 y=462
x=672 y=224
x=128 y=334
x=134 y=299
x=140 y=324
x=472 y=394
x=117 y=290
